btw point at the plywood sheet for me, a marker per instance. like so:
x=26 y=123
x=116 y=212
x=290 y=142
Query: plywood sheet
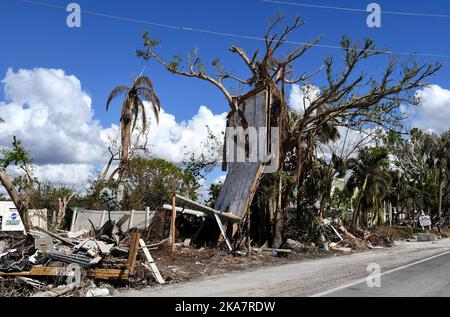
x=239 y=187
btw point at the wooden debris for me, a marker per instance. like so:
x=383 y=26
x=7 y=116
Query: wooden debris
x=132 y=254
x=151 y=263
x=174 y=218
x=222 y=230
x=281 y=251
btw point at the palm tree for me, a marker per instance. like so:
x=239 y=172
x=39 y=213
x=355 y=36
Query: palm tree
x=371 y=178
x=141 y=91
x=440 y=155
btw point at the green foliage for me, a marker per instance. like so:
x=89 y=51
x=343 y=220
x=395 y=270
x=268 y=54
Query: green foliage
x=46 y=195
x=213 y=192
x=175 y=62
x=153 y=182
x=200 y=165
x=18 y=156
x=96 y=193
x=422 y=161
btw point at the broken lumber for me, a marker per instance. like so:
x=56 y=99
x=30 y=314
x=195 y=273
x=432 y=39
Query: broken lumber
x=99 y=274
x=222 y=231
x=206 y=209
x=284 y=251
x=151 y=263
x=132 y=253
x=174 y=218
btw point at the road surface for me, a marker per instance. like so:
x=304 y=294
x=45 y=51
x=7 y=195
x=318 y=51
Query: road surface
x=408 y=269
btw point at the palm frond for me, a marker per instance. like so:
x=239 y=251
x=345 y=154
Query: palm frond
x=140 y=107
x=143 y=81
x=115 y=93
x=150 y=96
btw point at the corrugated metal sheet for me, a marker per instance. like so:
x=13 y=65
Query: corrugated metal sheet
x=240 y=185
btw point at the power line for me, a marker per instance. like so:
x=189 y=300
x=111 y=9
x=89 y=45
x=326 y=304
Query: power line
x=307 y=5
x=224 y=34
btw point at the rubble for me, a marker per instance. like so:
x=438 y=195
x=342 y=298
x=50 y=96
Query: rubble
x=51 y=265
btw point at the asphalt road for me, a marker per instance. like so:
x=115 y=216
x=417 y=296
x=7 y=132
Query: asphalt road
x=430 y=278
x=408 y=269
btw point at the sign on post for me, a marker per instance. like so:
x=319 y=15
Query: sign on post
x=425 y=221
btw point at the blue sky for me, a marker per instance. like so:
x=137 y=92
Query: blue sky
x=101 y=54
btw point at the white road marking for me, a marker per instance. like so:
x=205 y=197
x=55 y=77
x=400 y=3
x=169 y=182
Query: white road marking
x=339 y=288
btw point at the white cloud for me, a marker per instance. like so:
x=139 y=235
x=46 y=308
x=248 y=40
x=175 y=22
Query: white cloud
x=50 y=112
x=74 y=175
x=172 y=140
x=349 y=143
x=434 y=111
x=301 y=97
x=52 y=115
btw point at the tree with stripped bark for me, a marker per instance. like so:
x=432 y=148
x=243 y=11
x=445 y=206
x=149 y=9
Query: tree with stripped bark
x=348 y=98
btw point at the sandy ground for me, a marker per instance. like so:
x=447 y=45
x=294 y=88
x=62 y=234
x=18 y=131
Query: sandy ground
x=299 y=279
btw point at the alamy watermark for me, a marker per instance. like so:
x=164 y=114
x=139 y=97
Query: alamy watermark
x=374 y=18
x=374 y=278
x=254 y=145
x=74 y=18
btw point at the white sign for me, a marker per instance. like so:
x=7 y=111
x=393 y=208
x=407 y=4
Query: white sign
x=425 y=221
x=11 y=221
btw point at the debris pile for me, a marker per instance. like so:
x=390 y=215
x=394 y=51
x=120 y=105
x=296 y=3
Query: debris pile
x=52 y=265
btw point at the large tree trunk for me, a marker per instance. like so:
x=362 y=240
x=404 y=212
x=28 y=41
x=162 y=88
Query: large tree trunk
x=278 y=226
x=125 y=148
x=14 y=195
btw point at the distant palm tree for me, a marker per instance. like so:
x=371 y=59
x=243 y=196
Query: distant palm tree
x=371 y=177
x=133 y=104
x=438 y=152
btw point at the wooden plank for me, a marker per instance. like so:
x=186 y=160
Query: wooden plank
x=110 y=274
x=222 y=230
x=251 y=93
x=38 y=271
x=174 y=219
x=101 y=274
x=207 y=209
x=151 y=263
x=132 y=253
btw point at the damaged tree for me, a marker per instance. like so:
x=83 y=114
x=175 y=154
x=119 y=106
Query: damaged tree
x=20 y=158
x=132 y=107
x=349 y=98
